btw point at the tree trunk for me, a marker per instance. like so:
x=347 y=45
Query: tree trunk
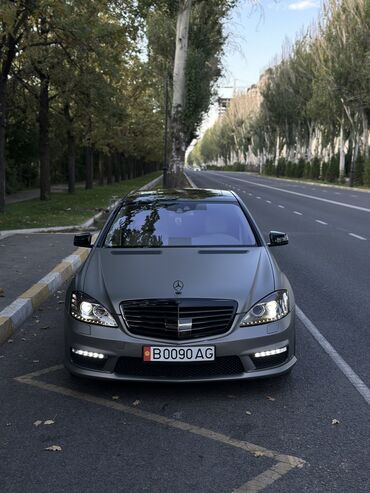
x=177 y=159
x=3 y=82
x=71 y=150
x=117 y=170
x=109 y=170
x=44 y=138
x=277 y=153
x=341 y=152
x=89 y=162
x=71 y=162
x=101 y=168
x=365 y=137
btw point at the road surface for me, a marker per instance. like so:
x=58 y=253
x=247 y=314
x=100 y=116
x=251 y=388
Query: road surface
x=308 y=432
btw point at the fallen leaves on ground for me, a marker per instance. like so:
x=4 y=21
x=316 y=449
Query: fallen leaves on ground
x=54 y=448
x=37 y=423
x=49 y=422
x=115 y=397
x=257 y=453
x=136 y=403
x=248 y=412
x=335 y=421
x=270 y=398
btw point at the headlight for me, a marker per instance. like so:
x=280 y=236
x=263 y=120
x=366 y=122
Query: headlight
x=274 y=307
x=88 y=310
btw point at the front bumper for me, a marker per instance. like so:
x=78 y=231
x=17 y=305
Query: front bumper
x=123 y=350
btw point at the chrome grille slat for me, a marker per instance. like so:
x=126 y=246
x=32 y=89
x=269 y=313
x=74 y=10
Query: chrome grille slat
x=159 y=318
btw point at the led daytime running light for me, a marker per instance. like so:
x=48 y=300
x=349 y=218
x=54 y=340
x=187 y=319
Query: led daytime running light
x=271 y=352
x=88 y=354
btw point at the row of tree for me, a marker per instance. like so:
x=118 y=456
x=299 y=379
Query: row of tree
x=315 y=104
x=82 y=86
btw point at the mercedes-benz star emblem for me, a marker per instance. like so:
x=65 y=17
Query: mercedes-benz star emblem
x=178 y=286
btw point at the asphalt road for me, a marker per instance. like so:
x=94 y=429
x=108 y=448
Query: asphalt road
x=328 y=259
x=25 y=259
x=207 y=437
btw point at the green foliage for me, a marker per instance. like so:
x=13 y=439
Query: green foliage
x=66 y=209
x=366 y=174
x=315 y=100
x=101 y=87
x=358 y=178
x=331 y=173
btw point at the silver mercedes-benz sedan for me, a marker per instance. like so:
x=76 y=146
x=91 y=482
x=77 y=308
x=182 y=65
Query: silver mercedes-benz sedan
x=180 y=286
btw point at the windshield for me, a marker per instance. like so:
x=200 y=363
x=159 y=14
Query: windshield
x=180 y=224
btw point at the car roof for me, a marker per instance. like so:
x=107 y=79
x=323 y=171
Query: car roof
x=197 y=194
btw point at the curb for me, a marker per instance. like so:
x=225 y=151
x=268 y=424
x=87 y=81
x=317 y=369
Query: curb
x=87 y=224
x=13 y=316
x=192 y=184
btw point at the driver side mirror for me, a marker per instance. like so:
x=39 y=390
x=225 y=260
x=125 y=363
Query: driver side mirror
x=277 y=238
x=83 y=240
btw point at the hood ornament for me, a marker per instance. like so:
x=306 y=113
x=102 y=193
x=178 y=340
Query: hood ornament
x=178 y=286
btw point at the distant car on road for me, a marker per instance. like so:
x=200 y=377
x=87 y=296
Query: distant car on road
x=180 y=286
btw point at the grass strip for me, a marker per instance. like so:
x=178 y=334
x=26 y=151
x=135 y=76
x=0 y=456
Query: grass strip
x=64 y=209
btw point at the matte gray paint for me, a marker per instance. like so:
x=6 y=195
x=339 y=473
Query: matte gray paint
x=248 y=275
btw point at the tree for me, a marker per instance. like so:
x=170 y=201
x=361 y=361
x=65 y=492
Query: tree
x=14 y=24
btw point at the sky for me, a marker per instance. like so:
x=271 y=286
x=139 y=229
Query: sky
x=257 y=34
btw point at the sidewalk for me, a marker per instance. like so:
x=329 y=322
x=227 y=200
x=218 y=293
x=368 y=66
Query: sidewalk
x=34 y=193
x=34 y=266
x=24 y=259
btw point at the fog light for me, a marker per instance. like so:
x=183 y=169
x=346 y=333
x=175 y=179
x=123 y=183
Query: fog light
x=271 y=352
x=88 y=354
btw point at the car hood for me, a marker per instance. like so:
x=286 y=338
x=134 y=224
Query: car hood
x=111 y=276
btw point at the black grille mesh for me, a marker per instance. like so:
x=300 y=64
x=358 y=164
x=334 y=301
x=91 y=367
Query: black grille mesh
x=222 y=366
x=160 y=318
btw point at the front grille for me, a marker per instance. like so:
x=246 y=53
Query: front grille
x=178 y=319
x=222 y=366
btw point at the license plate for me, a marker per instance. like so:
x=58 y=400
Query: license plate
x=172 y=353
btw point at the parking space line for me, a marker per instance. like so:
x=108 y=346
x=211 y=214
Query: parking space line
x=321 y=222
x=268 y=201
x=281 y=206
x=298 y=213
x=284 y=463
x=344 y=367
x=264 y=479
x=357 y=236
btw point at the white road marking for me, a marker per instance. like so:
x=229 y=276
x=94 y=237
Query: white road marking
x=281 y=206
x=249 y=194
x=321 y=199
x=344 y=367
x=258 y=197
x=268 y=201
x=321 y=222
x=357 y=236
x=298 y=213
x=284 y=463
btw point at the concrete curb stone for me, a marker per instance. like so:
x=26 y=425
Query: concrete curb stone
x=13 y=316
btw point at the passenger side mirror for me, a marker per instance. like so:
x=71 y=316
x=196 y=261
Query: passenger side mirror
x=278 y=239
x=83 y=240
